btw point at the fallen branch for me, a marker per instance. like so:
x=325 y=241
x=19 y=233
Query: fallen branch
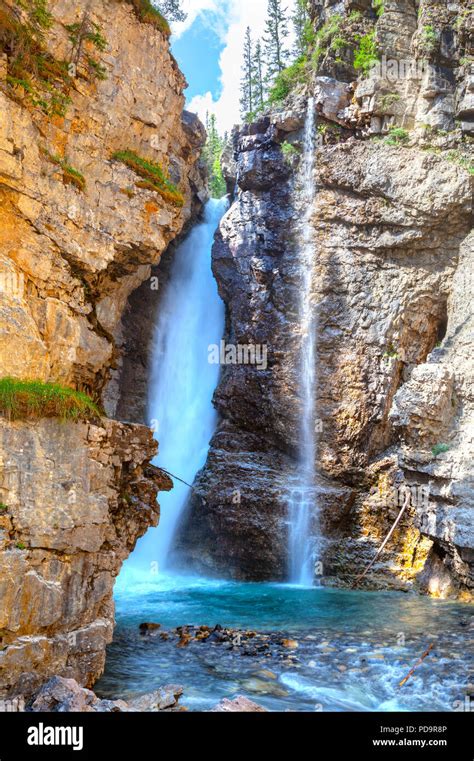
x=419 y=661
x=387 y=538
x=175 y=477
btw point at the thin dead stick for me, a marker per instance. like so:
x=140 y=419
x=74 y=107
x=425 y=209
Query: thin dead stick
x=176 y=477
x=419 y=661
x=387 y=538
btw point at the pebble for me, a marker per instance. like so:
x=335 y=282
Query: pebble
x=267 y=674
x=148 y=627
x=262 y=687
x=290 y=643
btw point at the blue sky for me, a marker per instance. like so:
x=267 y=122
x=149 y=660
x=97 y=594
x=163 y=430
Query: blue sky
x=209 y=49
x=198 y=51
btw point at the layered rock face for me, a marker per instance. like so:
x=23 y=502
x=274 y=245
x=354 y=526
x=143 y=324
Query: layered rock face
x=79 y=231
x=79 y=496
x=391 y=218
x=71 y=258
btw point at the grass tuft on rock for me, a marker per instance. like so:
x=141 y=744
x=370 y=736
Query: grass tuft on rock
x=397 y=136
x=153 y=176
x=287 y=80
x=23 y=399
x=70 y=175
x=146 y=12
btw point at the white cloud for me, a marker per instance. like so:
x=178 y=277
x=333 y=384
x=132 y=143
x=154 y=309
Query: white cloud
x=230 y=18
x=193 y=8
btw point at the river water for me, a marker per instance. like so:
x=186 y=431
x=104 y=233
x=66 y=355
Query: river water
x=353 y=648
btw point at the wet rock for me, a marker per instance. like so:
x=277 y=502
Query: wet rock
x=292 y=644
x=267 y=674
x=60 y=695
x=240 y=704
x=147 y=628
x=160 y=700
x=262 y=170
x=264 y=687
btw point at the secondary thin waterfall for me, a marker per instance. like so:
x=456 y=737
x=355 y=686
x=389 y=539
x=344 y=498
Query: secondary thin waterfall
x=302 y=542
x=191 y=318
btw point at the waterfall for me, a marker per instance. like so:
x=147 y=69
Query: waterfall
x=302 y=504
x=180 y=410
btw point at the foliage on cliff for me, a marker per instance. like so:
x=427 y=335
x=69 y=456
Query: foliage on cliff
x=158 y=13
x=35 y=399
x=34 y=75
x=70 y=175
x=31 y=69
x=153 y=176
x=147 y=13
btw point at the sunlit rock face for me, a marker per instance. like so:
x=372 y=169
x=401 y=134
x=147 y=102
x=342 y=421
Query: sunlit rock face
x=392 y=251
x=75 y=497
x=79 y=497
x=71 y=259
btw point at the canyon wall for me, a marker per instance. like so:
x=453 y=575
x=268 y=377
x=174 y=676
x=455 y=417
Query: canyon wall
x=391 y=217
x=80 y=230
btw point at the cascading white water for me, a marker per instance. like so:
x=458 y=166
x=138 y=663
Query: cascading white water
x=303 y=505
x=180 y=409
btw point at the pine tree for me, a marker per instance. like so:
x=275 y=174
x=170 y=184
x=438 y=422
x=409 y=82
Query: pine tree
x=300 y=22
x=171 y=9
x=276 y=32
x=212 y=156
x=258 y=76
x=247 y=100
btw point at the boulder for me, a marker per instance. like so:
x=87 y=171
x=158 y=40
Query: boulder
x=240 y=704
x=59 y=695
x=160 y=700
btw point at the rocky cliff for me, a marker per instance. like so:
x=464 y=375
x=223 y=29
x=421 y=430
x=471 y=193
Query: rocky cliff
x=391 y=220
x=99 y=172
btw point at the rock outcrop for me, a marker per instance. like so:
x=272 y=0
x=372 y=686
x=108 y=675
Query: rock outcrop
x=391 y=219
x=60 y=695
x=240 y=704
x=79 y=496
x=80 y=229
x=71 y=256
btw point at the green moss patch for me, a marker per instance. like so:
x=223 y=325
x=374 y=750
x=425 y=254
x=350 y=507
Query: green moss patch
x=23 y=399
